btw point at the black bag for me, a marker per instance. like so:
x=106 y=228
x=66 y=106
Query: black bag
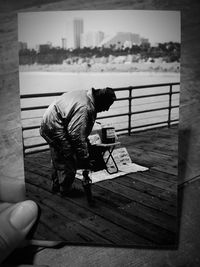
x=96 y=157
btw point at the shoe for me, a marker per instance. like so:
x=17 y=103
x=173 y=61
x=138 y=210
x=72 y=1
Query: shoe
x=55 y=187
x=73 y=193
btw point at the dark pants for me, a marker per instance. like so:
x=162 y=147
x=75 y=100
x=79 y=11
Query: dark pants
x=63 y=168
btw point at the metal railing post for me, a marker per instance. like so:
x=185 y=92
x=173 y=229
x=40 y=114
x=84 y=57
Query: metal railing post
x=129 y=110
x=170 y=106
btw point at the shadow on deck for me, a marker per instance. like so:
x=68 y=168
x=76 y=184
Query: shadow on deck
x=137 y=209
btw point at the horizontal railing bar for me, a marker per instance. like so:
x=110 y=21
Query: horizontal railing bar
x=152 y=95
x=43 y=107
x=163 y=125
x=176 y=106
x=144 y=96
x=136 y=112
x=38 y=126
x=34 y=108
x=41 y=95
x=153 y=124
x=122 y=129
x=148 y=125
x=145 y=86
x=30 y=127
x=152 y=110
x=175 y=120
x=122 y=98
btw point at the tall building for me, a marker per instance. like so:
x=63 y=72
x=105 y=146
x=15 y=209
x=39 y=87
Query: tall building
x=78 y=30
x=91 y=39
x=64 y=43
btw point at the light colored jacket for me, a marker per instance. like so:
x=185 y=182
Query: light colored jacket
x=68 y=121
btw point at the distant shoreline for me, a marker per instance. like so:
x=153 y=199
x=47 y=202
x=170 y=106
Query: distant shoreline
x=108 y=67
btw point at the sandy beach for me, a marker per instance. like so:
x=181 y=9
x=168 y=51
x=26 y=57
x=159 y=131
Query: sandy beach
x=102 y=67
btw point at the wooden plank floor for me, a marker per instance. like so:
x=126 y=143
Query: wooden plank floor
x=137 y=209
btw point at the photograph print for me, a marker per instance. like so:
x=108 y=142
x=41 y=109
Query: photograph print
x=99 y=96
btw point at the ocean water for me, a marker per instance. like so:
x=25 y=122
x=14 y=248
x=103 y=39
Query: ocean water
x=45 y=82
x=42 y=82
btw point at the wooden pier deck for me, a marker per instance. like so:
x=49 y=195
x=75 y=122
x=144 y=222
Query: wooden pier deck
x=137 y=209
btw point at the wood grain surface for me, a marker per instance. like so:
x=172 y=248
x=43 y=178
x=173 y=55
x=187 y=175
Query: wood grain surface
x=11 y=164
x=137 y=209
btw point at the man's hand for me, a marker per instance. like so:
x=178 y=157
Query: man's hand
x=16 y=219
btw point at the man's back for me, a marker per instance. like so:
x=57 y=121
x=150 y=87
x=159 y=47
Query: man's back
x=62 y=110
x=72 y=102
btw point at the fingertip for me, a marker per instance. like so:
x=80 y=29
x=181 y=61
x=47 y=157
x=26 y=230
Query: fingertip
x=24 y=215
x=16 y=222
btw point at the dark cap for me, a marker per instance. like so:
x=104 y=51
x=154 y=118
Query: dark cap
x=108 y=95
x=104 y=98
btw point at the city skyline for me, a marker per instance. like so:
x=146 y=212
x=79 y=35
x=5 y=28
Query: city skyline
x=42 y=27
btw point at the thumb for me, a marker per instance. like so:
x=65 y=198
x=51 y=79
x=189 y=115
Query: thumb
x=15 y=223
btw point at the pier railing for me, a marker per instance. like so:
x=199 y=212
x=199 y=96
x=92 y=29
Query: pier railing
x=130 y=113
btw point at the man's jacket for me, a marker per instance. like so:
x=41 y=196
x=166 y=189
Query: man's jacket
x=68 y=121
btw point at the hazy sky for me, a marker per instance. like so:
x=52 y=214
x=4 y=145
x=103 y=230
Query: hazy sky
x=41 y=27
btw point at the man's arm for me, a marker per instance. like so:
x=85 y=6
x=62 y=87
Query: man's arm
x=78 y=129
